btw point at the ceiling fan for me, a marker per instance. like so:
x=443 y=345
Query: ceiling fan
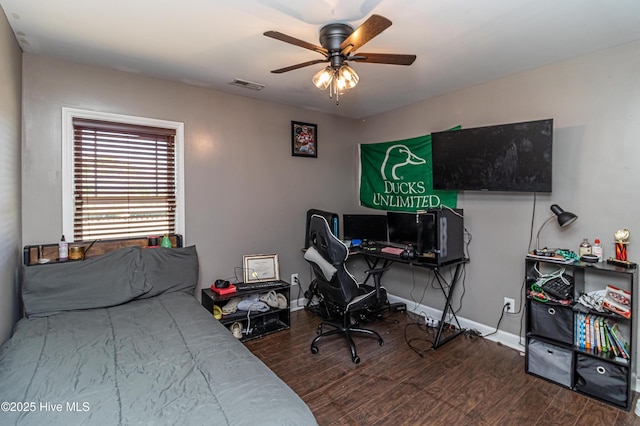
x=339 y=43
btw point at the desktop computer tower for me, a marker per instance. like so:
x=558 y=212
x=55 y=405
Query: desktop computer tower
x=440 y=236
x=332 y=220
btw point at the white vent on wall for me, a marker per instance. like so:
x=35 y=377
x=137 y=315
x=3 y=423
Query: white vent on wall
x=247 y=84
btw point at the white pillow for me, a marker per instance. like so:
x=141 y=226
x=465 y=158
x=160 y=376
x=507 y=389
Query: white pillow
x=328 y=270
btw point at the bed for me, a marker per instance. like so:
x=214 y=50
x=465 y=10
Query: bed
x=119 y=339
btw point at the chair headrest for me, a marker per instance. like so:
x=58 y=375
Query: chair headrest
x=327 y=244
x=328 y=270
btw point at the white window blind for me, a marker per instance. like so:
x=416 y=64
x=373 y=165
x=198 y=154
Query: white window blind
x=124 y=180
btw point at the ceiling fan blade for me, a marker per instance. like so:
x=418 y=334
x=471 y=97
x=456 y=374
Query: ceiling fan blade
x=296 y=42
x=295 y=67
x=383 y=58
x=365 y=32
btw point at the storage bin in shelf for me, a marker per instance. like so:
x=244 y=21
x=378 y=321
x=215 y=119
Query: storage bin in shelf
x=550 y=362
x=602 y=380
x=551 y=321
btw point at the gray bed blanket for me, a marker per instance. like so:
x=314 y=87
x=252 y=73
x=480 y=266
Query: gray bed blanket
x=158 y=361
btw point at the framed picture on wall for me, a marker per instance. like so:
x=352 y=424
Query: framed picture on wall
x=304 y=139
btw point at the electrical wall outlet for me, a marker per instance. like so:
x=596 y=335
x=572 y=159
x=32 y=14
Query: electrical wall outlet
x=294 y=279
x=511 y=309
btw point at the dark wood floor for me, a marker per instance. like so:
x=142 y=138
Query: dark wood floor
x=468 y=381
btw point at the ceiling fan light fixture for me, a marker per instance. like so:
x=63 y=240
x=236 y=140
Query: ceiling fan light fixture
x=347 y=77
x=336 y=79
x=322 y=79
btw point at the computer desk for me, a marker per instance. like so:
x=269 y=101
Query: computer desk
x=377 y=259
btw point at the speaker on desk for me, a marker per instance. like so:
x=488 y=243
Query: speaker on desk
x=409 y=253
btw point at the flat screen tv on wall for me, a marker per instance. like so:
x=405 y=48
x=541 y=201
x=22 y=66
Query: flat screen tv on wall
x=512 y=157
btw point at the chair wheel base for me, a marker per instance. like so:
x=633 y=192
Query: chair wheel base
x=356 y=360
x=314 y=350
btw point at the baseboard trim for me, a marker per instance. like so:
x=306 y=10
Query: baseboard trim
x=507 y=339
x=298 y=304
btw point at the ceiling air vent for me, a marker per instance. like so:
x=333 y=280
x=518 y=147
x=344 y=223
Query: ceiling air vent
x=247 y=84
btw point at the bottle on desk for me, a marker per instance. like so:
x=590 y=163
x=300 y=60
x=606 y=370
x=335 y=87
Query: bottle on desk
x=585 y=247
x=63 y=249
x=597 y=250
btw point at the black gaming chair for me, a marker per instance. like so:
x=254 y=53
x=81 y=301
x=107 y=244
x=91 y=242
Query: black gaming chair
x=336 y=288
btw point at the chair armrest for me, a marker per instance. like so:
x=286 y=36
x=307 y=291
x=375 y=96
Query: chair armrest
x=376 y=271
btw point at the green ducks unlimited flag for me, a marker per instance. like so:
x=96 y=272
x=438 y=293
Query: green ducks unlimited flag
x=397 y=176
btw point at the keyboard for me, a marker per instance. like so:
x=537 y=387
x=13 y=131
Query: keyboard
x=372 y=245
x=559 y=288
x=382 y=247
x=263 y=285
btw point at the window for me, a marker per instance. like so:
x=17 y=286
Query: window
x=123 y=176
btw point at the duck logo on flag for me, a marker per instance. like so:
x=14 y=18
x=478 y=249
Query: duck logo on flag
x=401 y=152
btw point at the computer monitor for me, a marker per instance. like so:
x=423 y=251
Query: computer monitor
x=403 y=228
x=369 y=227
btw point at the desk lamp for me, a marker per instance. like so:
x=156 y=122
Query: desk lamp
x=564 y=219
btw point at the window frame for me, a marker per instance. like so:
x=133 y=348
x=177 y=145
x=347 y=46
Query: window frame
x=68 y=114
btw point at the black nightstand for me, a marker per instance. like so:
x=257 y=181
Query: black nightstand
x=259 y=323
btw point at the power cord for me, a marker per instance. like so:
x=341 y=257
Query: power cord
x=297 y=281
x=524 y=280
x=429 y=321
x=417 y=303
x=505 y=307
x=472 y=333
x=463 y=275
x=409 y=342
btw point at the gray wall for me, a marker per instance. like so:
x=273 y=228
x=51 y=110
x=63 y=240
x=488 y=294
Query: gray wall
x=10 y=109
x=245 y=193
x=595 y=103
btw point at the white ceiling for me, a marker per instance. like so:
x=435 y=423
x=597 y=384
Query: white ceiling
x=208 y=43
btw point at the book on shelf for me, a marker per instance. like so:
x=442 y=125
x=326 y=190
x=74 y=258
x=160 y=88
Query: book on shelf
x=587 y=333
x=580 y=331
x=612 y=344
x=598 y=335
x=596 y=331
x=606 y=343
x=618 y=338
x=603 y=335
